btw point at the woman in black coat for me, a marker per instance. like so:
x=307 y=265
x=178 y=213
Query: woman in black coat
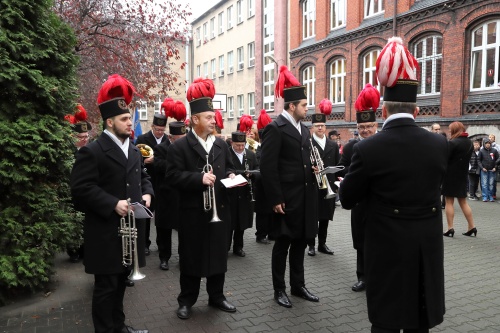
x=455 y=181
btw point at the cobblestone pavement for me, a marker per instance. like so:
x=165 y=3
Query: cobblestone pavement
x=472 y=290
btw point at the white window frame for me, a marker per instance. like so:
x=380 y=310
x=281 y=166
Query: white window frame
x=241 y=104
x=434 y=59
x=251 y=104
x=239 y=12
x=251 y=54
x=221 y=65
x=369 y=72
x=337 y=80
x=240 y=58
x=198 y=36
x=373 y=7
x=309 y=80
x=213 y=68
x=198 y=71
x=337 y=7
x=268 y=70
x=158 y=102
x=308 y=19
x=230 y=17
x=251 y=8
x=479 y=57
x=230 y=107
x=142 y=107
x=212 y=28
x=205 y=69
x=205 y=32
x=230 y=62
x=220 y=18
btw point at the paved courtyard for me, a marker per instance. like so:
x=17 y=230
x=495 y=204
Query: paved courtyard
x=472 y=290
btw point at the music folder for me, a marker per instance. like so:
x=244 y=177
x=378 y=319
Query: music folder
x=239 y=180
x=141 y=211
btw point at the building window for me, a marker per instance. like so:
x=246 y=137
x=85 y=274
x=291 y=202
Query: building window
x=213 y=68
x=239 y=54
x=485 y=49
x=239 y=12
x=198 y=71
x=251 y=54
x=205 y=32
x=373 y=7
x=337 y=81
x=309 y=80
x=221 y=22
x=337 y=14
x=241 y=105
x=429 y=53
x=369 y=74
x=158 y=103
x=308 y=18
x=198 y=36
x=221 y=65
x=251 y=104
x=229 y=17
x=251 y=8
x=205 y=69
x=230 y=62
x=212 y=27
x=268 y=52
x=230 y=107
x=142 y=107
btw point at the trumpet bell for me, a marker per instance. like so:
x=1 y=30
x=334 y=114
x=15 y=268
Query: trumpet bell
x=135 y=275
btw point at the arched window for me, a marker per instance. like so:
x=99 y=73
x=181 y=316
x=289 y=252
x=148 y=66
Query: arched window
x=337 y=81
x=309 y=80
x=429 y=53
x=369 y=67
x=485 y=56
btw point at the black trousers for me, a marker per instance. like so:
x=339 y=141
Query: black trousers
x=148 y=230
x=190 y=289
x=376 y=329
x=164 y=243
x=262 y=223
x=107 y=302
x=296 y=260
x=322 y=232
x=360 y=264
x=236 y=238
x=473 y=184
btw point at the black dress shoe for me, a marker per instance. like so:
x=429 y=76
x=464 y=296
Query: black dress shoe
x=324 y=249
x=129 y=283
x=359 y=286
x=305 y=294
x=184 y=312
x=128 y=329
x=282 y=298
x=311 y=251
x=223 y=305
x=262 y=240
x=146 y=251
x=164 y=265
x=239 y=253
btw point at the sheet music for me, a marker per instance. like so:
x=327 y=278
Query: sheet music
x=239 y=180
x=141 y=211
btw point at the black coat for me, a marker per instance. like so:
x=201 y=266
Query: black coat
x=330 y=157
x=288 y=178
x=167 y=212
x=150 y=140
x=102 y=176
x=455 y=180
x=404 y=237
x=202 y=245
x=239 y=197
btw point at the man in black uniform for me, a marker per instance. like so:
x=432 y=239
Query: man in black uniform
x=152 y=138
x=288 y=178
x=241 y=197
x=106 y=174
x=196 y=163
x=329 y=154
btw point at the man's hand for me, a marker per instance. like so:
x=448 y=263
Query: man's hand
x=122 y=208
x=315 y=169
x=279 y=208
x=231 y=175
x=147 y=199
x=149 y=160
x=209 y=179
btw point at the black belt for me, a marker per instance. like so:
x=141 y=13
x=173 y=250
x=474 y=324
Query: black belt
x=406 y=212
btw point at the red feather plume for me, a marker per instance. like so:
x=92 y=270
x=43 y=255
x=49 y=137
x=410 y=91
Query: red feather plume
x=81 y=113
x=246 y=123
x=369 y=98
x=70 y=118
x=325 y=106
x=395 y=62
x=200 y=88
x=285 y=80
x=219 y=121
x=179 y=111
x=263 y=119
x=116 y=86
x=166 y=106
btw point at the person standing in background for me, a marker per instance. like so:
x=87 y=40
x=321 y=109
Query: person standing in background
x=474 y=171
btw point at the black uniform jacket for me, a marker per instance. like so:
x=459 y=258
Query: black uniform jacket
x=455 y=181
x=150 y=140
x=404 y=237
x=240 y=198
x=330 y=157
x=102 y=176
x=167 y=211
x=288 y=178
x=202 y=244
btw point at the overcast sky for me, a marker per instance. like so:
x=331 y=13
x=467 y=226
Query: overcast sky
x=198 y=7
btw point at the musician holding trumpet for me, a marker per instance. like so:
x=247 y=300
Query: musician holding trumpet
x=107 y=172
x=195 y=165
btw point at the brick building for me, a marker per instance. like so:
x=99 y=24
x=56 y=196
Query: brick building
x=334 y=45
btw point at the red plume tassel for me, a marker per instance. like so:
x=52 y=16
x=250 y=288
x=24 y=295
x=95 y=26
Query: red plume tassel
x=263 y=119
x=246 y=123
x=285 y=80
x=369 y=98
x=70 y=118
x=167 y=106
x=200 y=88
x=116 y=86
x=325 y=106
x=179 y=111
x=81 y=113
x=218 y=119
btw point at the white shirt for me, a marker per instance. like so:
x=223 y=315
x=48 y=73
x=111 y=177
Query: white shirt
x=240 y=155
x=397 y=116
x=123 y=146
x=321 y=142
x=292 y=121
x=207 y=145
x=158 y=141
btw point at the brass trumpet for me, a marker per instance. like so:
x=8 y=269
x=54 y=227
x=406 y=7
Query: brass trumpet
x=209 y=196
x=128 y=233
x=146 y=151
x=321 y=179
